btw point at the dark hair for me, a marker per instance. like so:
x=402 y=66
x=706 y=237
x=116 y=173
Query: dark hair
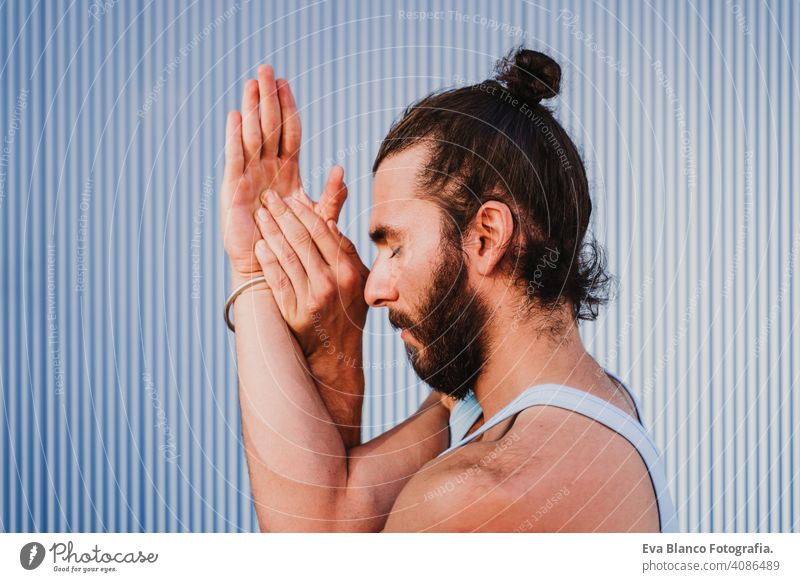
x=496 y=141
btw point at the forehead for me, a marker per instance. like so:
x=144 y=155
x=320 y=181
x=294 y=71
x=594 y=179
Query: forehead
x=395 y=200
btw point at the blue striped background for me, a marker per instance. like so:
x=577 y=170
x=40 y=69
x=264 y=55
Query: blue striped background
x=117 y=378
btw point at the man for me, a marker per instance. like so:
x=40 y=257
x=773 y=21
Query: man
x=480 y=213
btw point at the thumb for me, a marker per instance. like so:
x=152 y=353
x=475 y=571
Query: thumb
x=333 y=196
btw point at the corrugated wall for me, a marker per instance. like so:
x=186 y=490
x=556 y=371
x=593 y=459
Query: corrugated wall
x=117 y=376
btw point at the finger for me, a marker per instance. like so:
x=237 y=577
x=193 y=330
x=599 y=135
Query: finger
x=276 y=278
x=302 y=196
x=270 y=111
x=346 y=245
x=290 y=122
x=330 y=241
x=234 y=154
x=317 y=227
x=299 y=195
x=299 y=238
x=251 y=129
x=283 y=251
x=333 y=195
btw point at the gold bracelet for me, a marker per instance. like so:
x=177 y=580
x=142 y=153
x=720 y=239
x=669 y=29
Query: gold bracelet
x=232 y=297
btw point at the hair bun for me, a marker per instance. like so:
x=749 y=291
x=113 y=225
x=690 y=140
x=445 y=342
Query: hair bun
x=530 y=75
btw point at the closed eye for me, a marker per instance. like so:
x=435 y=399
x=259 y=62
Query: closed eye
x=395 y=252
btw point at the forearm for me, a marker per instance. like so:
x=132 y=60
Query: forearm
x=339 y=377
x=379 y=469
x=304 y=476
x=295 y=452
x=296 y=457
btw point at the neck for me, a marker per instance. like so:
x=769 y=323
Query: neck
x=524 y=354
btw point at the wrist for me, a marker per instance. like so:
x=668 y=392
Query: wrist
x=247 y=287
x=238 y=278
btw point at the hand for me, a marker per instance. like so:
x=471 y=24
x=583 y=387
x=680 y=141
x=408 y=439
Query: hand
x=316 y=278
x=262 y=151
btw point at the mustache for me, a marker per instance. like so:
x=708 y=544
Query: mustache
x=400 y=320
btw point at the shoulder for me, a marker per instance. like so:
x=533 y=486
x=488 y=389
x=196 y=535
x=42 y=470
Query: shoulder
x=553 y=470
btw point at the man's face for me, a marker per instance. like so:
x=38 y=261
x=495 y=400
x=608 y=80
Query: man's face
x=421 y=277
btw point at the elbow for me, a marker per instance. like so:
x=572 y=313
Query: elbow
x=356 y=511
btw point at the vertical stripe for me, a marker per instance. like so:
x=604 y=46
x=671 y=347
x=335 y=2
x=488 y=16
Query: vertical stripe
x=111 y=121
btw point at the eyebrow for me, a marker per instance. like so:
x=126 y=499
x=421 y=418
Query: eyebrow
x=380 y=233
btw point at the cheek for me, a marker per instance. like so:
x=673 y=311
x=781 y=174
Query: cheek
x=412 y=273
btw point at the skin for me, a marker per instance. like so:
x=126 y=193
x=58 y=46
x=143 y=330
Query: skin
x=301 y=406
x=550 y=449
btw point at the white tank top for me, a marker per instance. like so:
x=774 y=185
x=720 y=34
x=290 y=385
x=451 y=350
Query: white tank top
x=467 y=411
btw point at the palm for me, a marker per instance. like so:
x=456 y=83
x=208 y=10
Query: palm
x=262 y=151
x=241 y=198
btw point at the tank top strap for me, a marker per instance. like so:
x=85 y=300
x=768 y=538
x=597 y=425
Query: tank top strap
x=636 y=405
x=463 y=415
x=592 y=407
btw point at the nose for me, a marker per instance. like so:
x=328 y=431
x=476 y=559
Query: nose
x=380 y=289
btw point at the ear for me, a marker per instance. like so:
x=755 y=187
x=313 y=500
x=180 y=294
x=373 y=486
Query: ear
x=491 y=229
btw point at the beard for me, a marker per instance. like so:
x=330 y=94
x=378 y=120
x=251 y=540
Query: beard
x=449 y=323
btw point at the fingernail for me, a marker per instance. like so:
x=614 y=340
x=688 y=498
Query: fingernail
x=261 y=247
x=262 y=216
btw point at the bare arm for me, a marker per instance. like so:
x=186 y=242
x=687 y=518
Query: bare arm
x=309 y=272
x=554 y=471
x=300 y=405
x=303 y=477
